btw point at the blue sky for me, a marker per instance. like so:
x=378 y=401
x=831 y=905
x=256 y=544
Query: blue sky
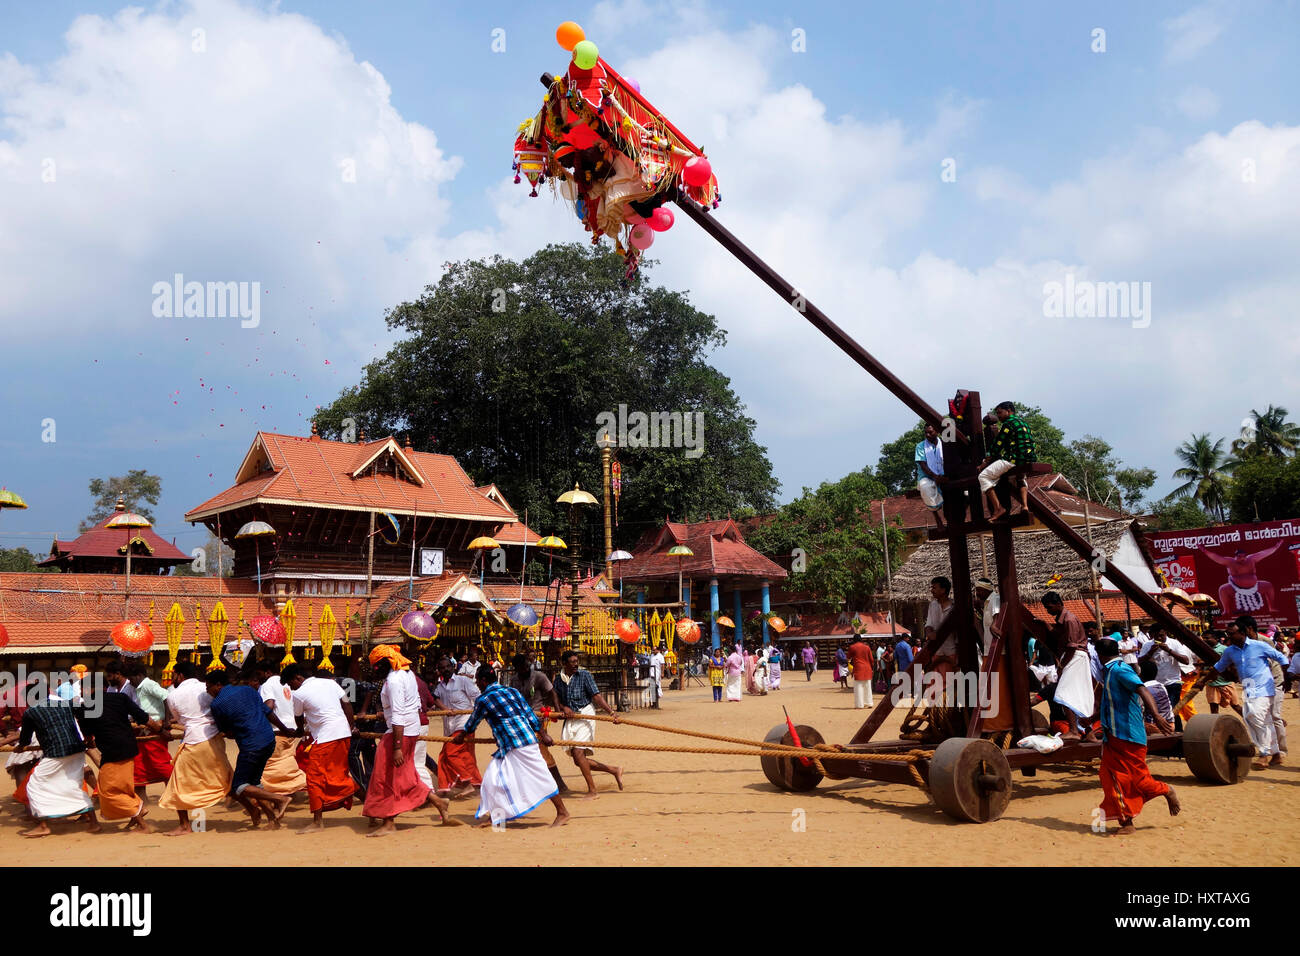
x=1122 y=165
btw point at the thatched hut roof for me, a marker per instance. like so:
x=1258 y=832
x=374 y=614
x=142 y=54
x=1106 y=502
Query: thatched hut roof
x=1039 y=555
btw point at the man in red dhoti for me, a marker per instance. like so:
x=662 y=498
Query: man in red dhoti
x=458 y=772
x=1126 y=781
x=325 y=717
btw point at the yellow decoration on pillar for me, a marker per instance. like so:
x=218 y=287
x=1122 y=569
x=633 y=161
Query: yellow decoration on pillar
x=174 y=622
x=326 y=626
x=241 y=614
x=289 y=618
x=151 y=610
x=198 y=614
x=217 y=622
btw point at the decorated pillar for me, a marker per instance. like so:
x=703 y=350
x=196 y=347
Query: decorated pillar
x=767 y=609
x=686 y=599
x=714 y=607
x=739 y=619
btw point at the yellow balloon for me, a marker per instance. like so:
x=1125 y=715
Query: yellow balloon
x=568 y=34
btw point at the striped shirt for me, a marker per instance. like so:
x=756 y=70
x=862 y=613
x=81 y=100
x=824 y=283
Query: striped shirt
x=513 y=722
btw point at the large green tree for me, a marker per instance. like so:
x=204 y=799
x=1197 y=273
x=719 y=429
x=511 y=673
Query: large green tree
x=843 y=551
x=138 y=489
x=1205 y=472
x=508 y=365
x=1265 y=488
x=19 y=559
x=1177 y=514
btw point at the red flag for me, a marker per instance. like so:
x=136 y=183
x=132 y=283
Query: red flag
x=794 y=734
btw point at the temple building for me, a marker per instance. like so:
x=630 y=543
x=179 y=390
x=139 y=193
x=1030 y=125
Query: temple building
x=102 y=550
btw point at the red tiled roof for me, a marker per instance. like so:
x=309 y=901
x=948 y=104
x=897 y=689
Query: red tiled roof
x=835 y=625
x=315 y=471
x=102 y=542
x=719 y=550
x=1112 y=610
x=75 y=612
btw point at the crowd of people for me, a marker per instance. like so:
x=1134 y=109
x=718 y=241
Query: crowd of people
x=296 y=731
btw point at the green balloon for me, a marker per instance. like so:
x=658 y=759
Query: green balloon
x=585 y=55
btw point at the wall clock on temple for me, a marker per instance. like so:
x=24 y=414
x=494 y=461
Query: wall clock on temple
x=430 y=562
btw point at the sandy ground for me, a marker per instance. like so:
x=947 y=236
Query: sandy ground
x=719 y=810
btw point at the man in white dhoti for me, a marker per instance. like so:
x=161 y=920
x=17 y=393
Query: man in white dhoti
x=54 y=788
x=516 y=780
x=929 y=472
x=576 y=691
x=1250 y=657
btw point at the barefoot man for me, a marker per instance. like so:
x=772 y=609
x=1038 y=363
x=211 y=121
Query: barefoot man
x=54 y=787
x=325 y=717
x=1244 y=593
x=239 y=713
x=516 y=780
x=1126 y=781
x=114 y=732
x=201 y=773
x=577 y=692
x=395 y=787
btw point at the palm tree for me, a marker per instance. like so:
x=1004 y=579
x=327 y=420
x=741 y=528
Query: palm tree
x=1267 y=434
x=1206 y=470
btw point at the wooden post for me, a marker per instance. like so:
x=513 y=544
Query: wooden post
x=1013 y=626
x=370 y=570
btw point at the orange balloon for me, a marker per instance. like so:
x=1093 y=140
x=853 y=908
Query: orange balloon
x=568 y=34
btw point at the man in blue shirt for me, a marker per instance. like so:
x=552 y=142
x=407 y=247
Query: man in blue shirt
x=579 y=697
x=929 y=472
x=1250 y=657
x=1126 y=781
x=239 y=713
x=516 y=780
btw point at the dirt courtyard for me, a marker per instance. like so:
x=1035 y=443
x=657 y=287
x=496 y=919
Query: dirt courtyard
x=692 y=810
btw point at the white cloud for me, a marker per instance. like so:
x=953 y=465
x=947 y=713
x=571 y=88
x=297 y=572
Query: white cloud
x=1197 y=103
x=1186 y=36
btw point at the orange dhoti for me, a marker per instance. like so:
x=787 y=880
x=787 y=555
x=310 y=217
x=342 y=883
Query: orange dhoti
x=329 y=785
x=282 y=773
x=1126 y=781
x=393 y=789
x=458 y=765
x=153 y=763
x=117 y=799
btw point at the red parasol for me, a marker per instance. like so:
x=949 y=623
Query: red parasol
x=268 y=630
x=554 y=627
x=132 y=638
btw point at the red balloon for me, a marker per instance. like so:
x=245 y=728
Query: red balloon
x=697 y=171
x=627 y=630
x=661 y=220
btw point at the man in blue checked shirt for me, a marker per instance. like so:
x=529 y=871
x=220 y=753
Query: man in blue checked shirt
x=516 y=780
x=577 y=693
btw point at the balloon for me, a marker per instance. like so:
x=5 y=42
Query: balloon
x=661 y=220
x=568 y=35
x=697 y=171
x=585 y=55
x=632 y=83
x=642 y=237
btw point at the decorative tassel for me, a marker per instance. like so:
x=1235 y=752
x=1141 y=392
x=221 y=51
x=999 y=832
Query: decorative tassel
x=533 y=194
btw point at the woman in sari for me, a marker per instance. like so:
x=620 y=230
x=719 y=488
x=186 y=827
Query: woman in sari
x=751 y=661
x=774 y=667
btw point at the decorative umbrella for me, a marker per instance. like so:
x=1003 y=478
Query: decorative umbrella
x=680 y=551
x=419 y=625
x=257 y=530
x=127 y=519
x=1203 y=600
x=1177 y=595
x=627 y=630
x=389 y=528
x=724 y=621
x=4 y=636
x=688 y=631
x=132 y=638
x=551 y=543
x=268 y=629
x=615 y=557
x=481 y=544
x=556 y=628
x=523 y=615
x=777 y=624
x=11 y=499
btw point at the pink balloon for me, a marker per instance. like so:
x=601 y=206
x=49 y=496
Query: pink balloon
x=642 y=237
x=633 y=83
x=661 y=220
x=697 y=171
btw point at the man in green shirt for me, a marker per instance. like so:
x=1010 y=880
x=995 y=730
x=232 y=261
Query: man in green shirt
x=1222 y=690
x=1013 y=446
x=153 y=762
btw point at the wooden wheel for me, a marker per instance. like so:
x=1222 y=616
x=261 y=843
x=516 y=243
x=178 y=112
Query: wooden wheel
x=970 y=779
x=1218 y=748
x=788 y=773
